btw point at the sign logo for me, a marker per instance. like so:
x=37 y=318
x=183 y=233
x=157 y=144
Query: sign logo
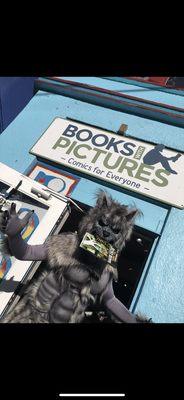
x=151 y=170
x=53 y=178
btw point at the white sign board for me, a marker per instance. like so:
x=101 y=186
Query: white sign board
x=151 y=170
x=48 y=210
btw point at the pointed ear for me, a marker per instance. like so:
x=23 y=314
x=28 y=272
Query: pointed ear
x=132 y=214
x=103 y=200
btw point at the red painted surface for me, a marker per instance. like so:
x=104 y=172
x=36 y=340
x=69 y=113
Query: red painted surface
x=158 y=80
x=161 y=80
x=176 y=83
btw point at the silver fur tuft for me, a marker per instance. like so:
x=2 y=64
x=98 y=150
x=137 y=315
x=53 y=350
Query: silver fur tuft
x=4 y=246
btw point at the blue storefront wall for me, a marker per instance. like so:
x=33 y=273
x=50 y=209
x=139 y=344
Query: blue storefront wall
x=161 y=295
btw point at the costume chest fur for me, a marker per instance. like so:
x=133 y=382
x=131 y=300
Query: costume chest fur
x=63 y=292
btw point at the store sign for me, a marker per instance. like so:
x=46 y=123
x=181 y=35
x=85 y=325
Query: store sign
x=151 y=170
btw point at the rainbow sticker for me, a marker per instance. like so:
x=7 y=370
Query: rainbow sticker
x=5 y=265
x=30 y=228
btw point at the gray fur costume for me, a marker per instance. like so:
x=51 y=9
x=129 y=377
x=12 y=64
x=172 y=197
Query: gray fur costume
x=62 y=293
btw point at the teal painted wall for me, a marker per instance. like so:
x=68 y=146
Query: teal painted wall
x=161 y=295
x=132 y=90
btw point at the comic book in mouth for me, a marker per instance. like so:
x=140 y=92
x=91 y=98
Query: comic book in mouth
x=99 y=248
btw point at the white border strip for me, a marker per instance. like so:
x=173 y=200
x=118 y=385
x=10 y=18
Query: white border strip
x=92 y=394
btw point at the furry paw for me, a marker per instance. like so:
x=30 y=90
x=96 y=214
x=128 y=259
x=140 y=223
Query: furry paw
x=11 y=224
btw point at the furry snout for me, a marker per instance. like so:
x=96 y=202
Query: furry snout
x=104 y=233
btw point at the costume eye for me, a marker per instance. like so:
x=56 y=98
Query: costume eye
x=102 y=222
x=116 y=230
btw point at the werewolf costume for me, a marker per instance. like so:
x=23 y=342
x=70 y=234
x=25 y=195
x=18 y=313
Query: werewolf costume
x=73 y=280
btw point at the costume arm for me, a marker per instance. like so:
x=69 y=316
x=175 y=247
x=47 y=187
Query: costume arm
x=115 y=307
x=23 y=251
